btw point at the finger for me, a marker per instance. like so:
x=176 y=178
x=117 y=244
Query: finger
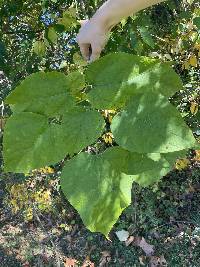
x=85 y=51
x=96 y=52
x=83 y=22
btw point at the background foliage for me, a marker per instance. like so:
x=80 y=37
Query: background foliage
x=40 y=35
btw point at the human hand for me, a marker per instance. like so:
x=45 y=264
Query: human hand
x=92 y=39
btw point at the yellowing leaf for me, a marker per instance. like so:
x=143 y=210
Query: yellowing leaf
x=186 y=65
x=197 y=155
x=108 y=138
x=109 y=114
x=157 y=261
x=194 y=108
x=182 y=164
x=146 y=247
x=69 y=262
x=193 y=61
x=122 y=235
x=197 y=47
x=2 y=123
x=88 y=263
x=46 y=170
x=29 y=214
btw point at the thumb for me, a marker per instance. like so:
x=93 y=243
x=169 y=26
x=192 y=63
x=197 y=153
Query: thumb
x=85 y=51
x=96 y=52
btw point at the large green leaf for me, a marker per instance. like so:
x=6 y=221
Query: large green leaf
x=145 y=168
x=150 y=177
x=170 y=158
x=32 y=141
x=129 y=162
x=163 y=164
x=116 y=77
x=81 y=128
x=150 y=124
x=99 y=186
x=44 y=93
x=76 y=82
x=97 y=191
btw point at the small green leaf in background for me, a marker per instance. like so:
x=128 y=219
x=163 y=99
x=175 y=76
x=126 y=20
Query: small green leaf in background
x=78 y=60
x=97 y=191
x=136 y=43
x=39 y=48
x=2 y=55
x=146 y=36
x=52 y=35
x=68 y=19
x=196 y=21
x=59 y=28
x=72 y=11
x=2 y=49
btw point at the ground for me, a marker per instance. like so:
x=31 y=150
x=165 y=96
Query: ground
x=40 y=228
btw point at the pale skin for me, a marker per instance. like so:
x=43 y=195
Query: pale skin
x=95 y=32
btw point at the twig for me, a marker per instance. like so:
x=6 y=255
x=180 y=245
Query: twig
x=2 y=108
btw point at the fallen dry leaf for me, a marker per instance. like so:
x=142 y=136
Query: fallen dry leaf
x=142 y=260
x=88 y=263
x=26 y=264
x=194 y=108
x=182 y=164
x=197 y=157
x=146 y=247
x=130 y=240
x=193 y=61
x=122 y=235
x=70 y=262
x=157 y=261
x=2 y=123
x=105 y=258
